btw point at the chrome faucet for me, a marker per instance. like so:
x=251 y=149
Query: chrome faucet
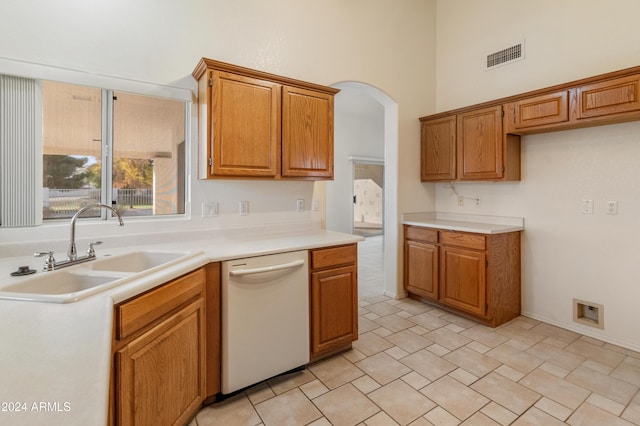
x=72 y=253
x=51 y=264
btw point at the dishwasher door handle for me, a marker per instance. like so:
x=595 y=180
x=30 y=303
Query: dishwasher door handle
x=241 y=272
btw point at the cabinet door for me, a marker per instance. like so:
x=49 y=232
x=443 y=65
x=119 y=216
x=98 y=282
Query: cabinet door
x=160 y=375
x=542 y=110
x=421 y=268
x=480 y=145
x=307 y=133
x=463 y=283
x=246 y=126
x=609 y=97
x=334 y=309
x=438 y=149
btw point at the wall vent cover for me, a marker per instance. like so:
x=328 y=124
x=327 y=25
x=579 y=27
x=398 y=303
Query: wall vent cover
x=506 y=56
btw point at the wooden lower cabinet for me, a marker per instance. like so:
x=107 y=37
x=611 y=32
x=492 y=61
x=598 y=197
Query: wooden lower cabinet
x=161 y=380
x=421 y=266
x=463 y=279
x=166 y=351
x=476 y=275
x=333 y=298
x=213 y=317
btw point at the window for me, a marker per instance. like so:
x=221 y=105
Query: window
x=118 y=148
x=72 y=149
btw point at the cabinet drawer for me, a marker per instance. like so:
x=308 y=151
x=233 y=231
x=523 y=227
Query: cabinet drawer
x=334 y=256
x=420 y=234
x=135 y=314
x=472 y=241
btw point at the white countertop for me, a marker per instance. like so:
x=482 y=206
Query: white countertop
x=480 y=224
x=56 y=358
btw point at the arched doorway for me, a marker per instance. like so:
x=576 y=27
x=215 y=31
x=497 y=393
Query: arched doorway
x=366 y=128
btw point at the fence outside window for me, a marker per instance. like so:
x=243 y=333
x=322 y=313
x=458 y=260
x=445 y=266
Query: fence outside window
x=63 y=203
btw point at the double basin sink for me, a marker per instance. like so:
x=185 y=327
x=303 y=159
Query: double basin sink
x=87 y=279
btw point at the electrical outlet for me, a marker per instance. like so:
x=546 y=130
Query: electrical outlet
x=299 y=205
x=612 y=207
x=315 y=206
x=587 y=206
x=477 y=201
x=244 y=208
x=460 y=200
x=209 y=208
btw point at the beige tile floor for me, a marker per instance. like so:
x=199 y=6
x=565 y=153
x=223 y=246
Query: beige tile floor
x=416 y=364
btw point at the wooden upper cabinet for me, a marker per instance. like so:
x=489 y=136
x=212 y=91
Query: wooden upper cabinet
x=542 y=110
x=245 y=126
x=253 y=124
x=609 y=97
x=438 y=149
x=487 y=135
x=468 y=146
x=480 y=144
x=307 y=133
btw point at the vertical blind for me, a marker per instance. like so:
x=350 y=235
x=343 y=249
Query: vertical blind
x=20 y=152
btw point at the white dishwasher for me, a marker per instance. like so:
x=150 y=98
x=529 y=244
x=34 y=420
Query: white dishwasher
x=265 y=317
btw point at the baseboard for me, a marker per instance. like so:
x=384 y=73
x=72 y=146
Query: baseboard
x=584 y=331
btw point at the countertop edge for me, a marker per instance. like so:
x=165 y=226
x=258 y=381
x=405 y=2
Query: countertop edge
x=480 y=224
x=495 y=229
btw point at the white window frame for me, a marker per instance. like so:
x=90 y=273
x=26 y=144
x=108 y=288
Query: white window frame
x=109 y=85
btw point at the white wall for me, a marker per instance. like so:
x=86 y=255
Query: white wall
x=565 y=41
x=566 y=254
x=359 y=132
x=160 y=41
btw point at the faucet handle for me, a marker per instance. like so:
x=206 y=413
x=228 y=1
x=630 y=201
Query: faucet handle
x=49 y=262
x=91 y=252
x=43 y=253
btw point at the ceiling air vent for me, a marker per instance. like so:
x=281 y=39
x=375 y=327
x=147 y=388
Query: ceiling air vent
x=505 y=56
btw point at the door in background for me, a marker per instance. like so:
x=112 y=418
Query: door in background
x=368 y=201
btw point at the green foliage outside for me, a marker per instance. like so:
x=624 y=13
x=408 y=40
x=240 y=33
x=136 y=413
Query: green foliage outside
x=63 y=172
x=67 y=172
